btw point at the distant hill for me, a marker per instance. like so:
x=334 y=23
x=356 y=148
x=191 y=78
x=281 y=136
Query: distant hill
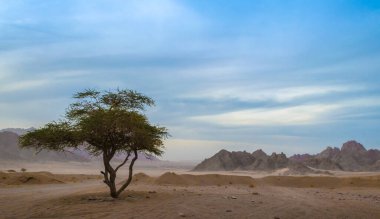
x=18 y=131
x=9 y=150
x=258 y=160
x=351 y=157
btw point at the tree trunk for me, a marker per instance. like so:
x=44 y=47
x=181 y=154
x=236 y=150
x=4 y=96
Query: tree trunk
x=110 y=174
x=112 y=188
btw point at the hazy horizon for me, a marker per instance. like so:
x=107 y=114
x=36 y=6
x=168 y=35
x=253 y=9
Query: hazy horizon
x=283 y=76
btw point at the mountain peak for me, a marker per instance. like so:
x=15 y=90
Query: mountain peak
x=300 y=157
x=329 y=153
x=259 y=153
x=223 y=151
x=352 y=147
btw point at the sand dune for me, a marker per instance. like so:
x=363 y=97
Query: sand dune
x=321 y=181
x=29 y=178
x=171 y=178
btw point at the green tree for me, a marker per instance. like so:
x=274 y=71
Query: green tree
x=105 y=124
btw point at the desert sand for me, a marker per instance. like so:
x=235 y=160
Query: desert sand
x=191 y=195
x=39 y=178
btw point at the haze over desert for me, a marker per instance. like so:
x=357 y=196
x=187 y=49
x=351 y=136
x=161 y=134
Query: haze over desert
x=166 y=189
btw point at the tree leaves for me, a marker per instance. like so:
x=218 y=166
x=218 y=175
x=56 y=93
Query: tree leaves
x=104 y=122
x=53 y=136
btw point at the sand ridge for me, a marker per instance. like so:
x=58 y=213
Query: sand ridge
x=171 y=178
x=37 y=178
x=321 y=181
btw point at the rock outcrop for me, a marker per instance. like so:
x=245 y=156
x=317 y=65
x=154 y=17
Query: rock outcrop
x=225 y=160
x=228 y=161
x=352 y=156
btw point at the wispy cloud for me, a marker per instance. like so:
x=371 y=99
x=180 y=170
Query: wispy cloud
x=291 y=115
x=278 y=94
x=22 y=85
x=297 y=115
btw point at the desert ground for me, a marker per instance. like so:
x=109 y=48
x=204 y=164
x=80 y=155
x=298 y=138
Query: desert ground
x=178 y=193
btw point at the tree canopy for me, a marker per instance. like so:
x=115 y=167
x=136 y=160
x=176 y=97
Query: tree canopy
x=105 y=123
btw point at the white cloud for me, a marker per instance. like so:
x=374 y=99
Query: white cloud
x=22 y=85
x=295 y=115
x=361 y=102
x=198 y=149
x=287 y=94
x=273 y=94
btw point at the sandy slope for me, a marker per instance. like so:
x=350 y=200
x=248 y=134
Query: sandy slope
x=38 y=178
x=150 y=197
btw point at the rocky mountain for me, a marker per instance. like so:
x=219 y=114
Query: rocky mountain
x=258 y=160
x=300 y=157
x=226 y=160
x=328 y=153
x=352 y=156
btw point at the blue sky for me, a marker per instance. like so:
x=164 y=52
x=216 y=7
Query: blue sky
x=291 y=76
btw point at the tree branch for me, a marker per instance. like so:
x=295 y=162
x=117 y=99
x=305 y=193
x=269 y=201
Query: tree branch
x=126 y=184
x=125 y=161
x=106 y=180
